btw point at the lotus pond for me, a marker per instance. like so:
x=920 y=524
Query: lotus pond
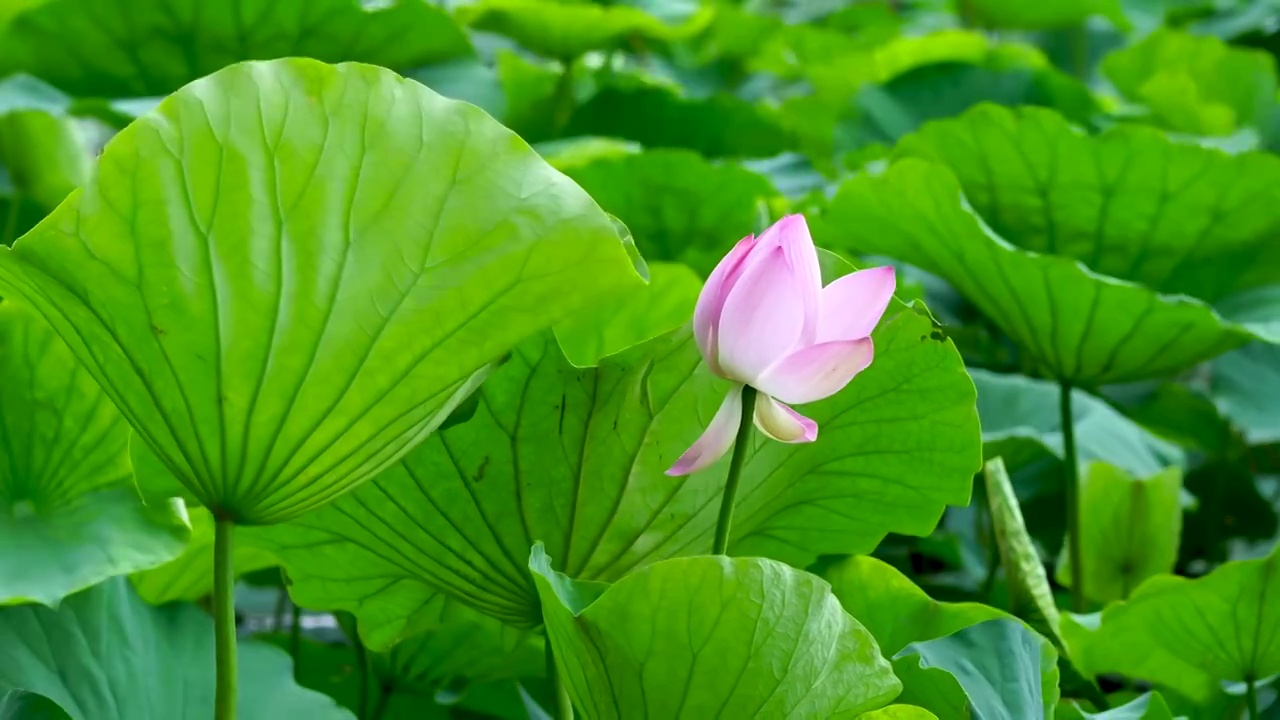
x=542 y=359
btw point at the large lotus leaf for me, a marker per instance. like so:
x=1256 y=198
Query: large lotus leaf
x=69 y=514
x=898 y=712
x=1195 y=83
x=996 y=669
x=190 y=575
x=1245 y=386
x=575 y=458
x=107 y=655
x=893 y=608
x=1130 y=203
x=678 y=205
x=23 y=705
x=286 y=273
x=1148 y=706
x=1188 y=635
x=1021 y=423
x=1129 y=530
x=1022 y=15
x=1074 y=324
x=710 y=635
x=642 y=313
x=655 y=116
x=567 y=30
x=131 y=48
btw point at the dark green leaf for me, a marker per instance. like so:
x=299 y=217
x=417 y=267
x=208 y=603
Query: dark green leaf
x=23 y=705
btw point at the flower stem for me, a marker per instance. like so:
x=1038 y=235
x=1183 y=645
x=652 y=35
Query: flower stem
x=224 y=620
x=1071 y=484
x=1251 y=698
x=564 y=705
x=735 y=471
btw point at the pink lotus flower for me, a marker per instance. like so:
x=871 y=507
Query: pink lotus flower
x=763 y=319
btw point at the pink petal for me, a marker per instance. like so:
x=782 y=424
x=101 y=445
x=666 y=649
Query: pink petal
x=706 y=315
x=762 y=318
x=782 y=423
x=852 y=305
x=817 y=371
x=791 y=233
x=716 y=439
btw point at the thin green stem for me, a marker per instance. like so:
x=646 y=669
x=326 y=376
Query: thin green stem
x=564 y=705
x=277 y=617
x=224 y=620
x=362 y=659
x=735 y=472
x=563 y=100
x=380 y=706
x=1071 y=485
x=295 y=634
x=1251 y=698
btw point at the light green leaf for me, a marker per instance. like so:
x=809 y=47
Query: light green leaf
x=1195 y=83
x=1074 y=323
x=1045 y=14
x=107 y=655
x=568 y=30
x=898 y=712
x=893 y=608
x=1021 y=423
x=678 y=205
x=141 y=48
x=42 y=154
x=655 y=116
x=1129 y=530
x=69 y=514
x=701 y=636
x=1148 y=706
x=1188 y=635
x=1130 y=203
x=189 y=576
x=996 y=669
x=1028 y=583
x=576 y=458
x=643 y=313
x=289 y=272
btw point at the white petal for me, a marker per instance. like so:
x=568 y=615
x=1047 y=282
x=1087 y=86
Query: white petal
x=783 y=424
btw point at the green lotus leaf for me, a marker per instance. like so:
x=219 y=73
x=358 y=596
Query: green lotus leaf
x=656 y=116
x=1129 y=530
x=1148 y=706
x=289 y=272
x=1075 y=324
x=995 y=669
x=1130 y=203
x=894 y=609
x=568 y=30
x=898 y=712
x=695 y=637
x=42 y=155
x=189 y=577
x=23 y=705
x=1020 y=15
x=642 y=313
x=1245 y=386
x=678 y=205
x=1195 y=83
x=1021 y=423
x=69 y=514
x=104 y=654
x=575 y=458
x=123 y=48
x=1188 y=635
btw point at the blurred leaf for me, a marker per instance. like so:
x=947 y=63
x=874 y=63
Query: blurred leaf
x=635 y=316
x=566 y=30
x=1148 y=706
x=1023 y=15
x=898 y=712
x=1073 y=323
x=69 y=515
x=1188 y=635
x=104 y=654
x=677 y=205
x=695 y=623
x=893 y=608
x=1021 y=423
x=23 y=705
x=1245 y=386
x=1195 y=83
x=575 y=458
x=139 y=48
x=466 y=79
x=1129 y=530
x=189 y=576
x=996 y=669
x=1185 y=416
